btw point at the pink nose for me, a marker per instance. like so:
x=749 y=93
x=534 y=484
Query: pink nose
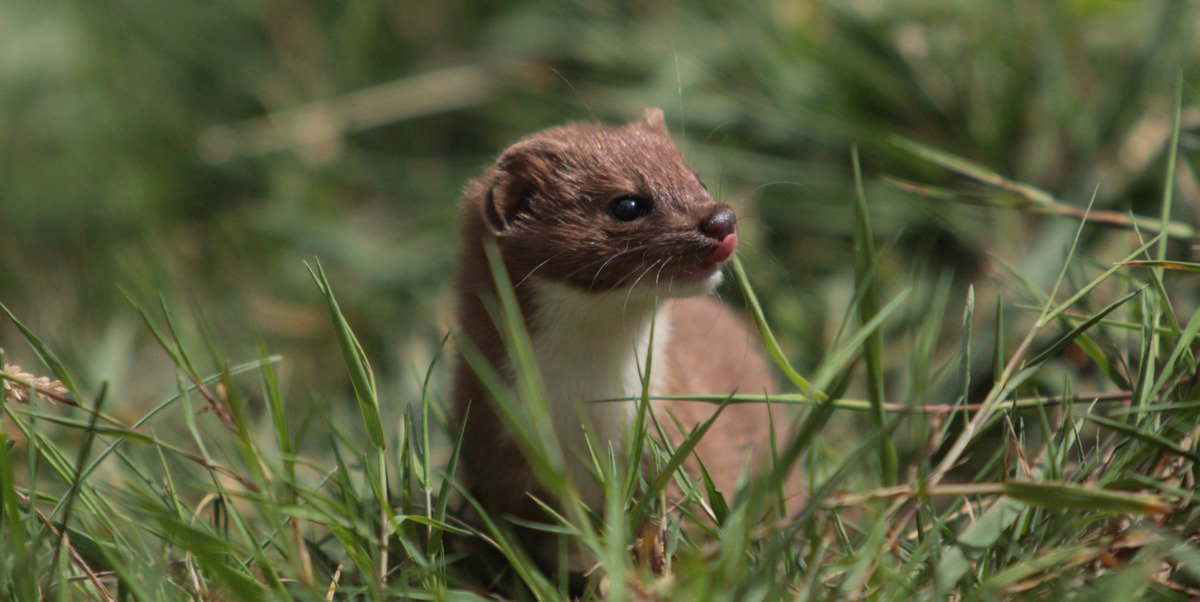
x=720 y=225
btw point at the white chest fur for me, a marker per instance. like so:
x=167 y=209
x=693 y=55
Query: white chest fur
x=591 y=347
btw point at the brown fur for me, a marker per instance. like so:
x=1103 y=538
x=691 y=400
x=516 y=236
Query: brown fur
x=545 y=202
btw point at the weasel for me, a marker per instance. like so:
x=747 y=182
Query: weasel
x=603 y=231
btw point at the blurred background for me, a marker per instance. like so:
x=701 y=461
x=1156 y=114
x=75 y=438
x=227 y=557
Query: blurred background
x=202 y=152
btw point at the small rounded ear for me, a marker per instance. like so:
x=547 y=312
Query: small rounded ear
x=653 y=117
x=524 y=171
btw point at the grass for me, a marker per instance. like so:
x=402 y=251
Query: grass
x=968 y=235
x=1075 y=493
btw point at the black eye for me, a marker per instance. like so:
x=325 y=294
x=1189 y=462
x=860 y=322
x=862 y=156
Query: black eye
x=629 y=208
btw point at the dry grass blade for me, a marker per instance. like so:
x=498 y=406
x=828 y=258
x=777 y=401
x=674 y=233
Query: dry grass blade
x=17 y=385
x=316 y=129
x=1183 y=266
x=1033 y=197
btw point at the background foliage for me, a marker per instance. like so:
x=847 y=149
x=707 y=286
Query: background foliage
x=203 y=152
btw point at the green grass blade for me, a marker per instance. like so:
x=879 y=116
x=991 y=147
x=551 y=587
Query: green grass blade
x=531 y=413
x=1182 y=349
x=77 y=483
x=426 y=408
x=443 y=497
x=278 y=414
x=1083 y=327
x=1144 y=436
x=638 y=432
x=1089 y=287
x=1074 y=496
x=764 y=331
x=44 y=353
x=979 y=537
x=22 y=574
x=520 y=562
x=681 y=454
x=837 y=359
x=865 y=268
x=1169 y=178
x=964 y=366
x=359 y=367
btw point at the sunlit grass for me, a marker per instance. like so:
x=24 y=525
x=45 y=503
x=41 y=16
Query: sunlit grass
x=1062 y=492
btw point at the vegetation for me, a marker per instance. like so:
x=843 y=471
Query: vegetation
x=969 y=246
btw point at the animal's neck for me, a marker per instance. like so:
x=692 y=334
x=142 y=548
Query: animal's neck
x=591 y=347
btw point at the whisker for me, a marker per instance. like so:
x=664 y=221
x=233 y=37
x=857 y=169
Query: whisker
x=630 y=250
x=536 y=268
x=658 y=277
x=643 y=247
x=643 y=274
x=629 y=290
x=658 y=266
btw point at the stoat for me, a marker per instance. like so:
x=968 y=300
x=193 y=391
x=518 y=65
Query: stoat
x=603 y=231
